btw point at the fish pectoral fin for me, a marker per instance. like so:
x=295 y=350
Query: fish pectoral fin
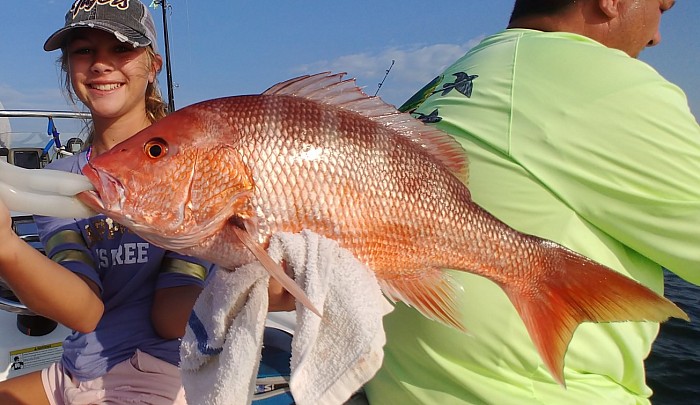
x=275 y=269
x=434 y=294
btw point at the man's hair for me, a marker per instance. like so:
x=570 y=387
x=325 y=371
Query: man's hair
x=523 y=8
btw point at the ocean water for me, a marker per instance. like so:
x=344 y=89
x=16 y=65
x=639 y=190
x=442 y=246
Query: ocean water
x=673 y=368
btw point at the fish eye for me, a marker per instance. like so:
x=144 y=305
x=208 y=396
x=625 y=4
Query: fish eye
x=156 y=148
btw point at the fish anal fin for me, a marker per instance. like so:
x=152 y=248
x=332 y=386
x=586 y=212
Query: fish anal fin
x=575 y=290
x=275 y=269
x=434 y=293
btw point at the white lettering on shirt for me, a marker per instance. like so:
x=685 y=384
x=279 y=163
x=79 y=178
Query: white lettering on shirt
x=128 y=253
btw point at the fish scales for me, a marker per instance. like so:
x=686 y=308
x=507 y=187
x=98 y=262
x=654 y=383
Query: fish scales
x=316 y=153
x=315 y=174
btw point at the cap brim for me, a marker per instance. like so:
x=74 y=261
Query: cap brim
x=122 y=32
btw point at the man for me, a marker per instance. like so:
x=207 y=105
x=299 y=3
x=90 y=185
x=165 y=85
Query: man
x=572 y=139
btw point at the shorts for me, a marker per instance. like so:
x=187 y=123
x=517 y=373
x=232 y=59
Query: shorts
x=143 y=379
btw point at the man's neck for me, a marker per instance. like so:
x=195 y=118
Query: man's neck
x=582 y=17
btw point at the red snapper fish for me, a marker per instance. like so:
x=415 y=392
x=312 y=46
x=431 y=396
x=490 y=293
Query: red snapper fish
x=216 y=179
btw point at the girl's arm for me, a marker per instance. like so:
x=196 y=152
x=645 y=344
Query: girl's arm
x=171 y=310
x=44 y=286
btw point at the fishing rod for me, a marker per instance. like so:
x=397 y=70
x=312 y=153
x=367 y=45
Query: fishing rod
x=379 y=86
x=171 y=98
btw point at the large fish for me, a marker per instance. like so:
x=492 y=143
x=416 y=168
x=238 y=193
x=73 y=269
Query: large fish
x=218 y=178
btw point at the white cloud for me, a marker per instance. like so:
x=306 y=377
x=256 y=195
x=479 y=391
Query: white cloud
x=45 y=99
x=35 y=99
x=413 y=67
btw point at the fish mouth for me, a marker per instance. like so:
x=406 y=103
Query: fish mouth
x=108 y=196
x=91 y=199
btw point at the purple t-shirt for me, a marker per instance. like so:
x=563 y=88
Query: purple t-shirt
x=128 y=270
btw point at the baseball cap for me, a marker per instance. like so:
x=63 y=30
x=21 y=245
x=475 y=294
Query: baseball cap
x=129 y=20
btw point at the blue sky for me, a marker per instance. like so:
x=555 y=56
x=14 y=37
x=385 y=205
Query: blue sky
x=232 y=47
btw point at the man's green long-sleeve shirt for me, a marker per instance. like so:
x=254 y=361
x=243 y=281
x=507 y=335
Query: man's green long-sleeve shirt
x=578 y=143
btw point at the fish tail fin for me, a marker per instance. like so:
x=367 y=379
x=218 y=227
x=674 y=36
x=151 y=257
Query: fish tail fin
x=275 y=270
x=575 y=289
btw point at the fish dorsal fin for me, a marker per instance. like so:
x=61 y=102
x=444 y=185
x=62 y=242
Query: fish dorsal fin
x=331 y=89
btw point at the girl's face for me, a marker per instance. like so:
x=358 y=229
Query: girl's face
x=109 y=76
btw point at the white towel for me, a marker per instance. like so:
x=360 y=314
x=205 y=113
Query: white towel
x=332 y=357
x=220 y=351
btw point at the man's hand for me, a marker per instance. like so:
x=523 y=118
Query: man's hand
x=280 y=299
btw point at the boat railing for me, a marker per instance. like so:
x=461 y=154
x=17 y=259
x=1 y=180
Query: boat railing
x=43 y=114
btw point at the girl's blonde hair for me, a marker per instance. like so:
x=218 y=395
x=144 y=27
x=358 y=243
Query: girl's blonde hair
x=156 y=108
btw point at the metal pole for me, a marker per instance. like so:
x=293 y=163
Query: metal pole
x=43 y=114
x=168 y=71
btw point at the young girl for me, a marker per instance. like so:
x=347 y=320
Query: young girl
x=126 y=300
